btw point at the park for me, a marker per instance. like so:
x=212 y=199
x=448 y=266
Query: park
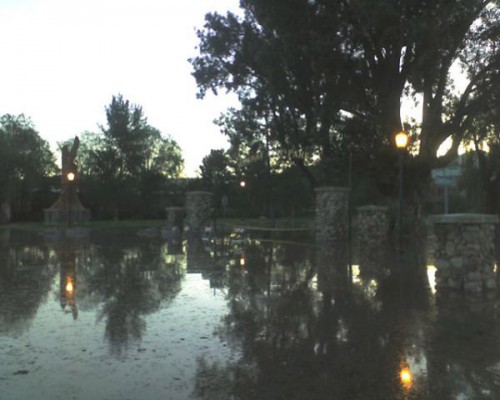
x=333 y=249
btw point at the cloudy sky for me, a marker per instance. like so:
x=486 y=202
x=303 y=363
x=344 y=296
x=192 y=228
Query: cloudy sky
x=63 y=60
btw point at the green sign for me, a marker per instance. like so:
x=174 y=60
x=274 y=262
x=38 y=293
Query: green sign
x=447 y=176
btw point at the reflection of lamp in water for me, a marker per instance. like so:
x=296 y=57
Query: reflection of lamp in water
x=69 y=286
x=68 y=295
x=406 y=377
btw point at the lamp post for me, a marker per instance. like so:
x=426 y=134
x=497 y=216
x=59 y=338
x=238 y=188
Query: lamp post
x=70 y=176
x=401 y=143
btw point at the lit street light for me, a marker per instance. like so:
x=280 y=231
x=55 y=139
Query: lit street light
x=401 y=144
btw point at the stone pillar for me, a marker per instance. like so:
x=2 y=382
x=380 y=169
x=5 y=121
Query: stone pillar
x=373 y=225
x=332 y=218
x=175 y=217
x=198 y=210
x=463 y=251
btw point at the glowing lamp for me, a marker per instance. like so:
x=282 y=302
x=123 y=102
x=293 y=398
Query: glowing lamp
x=401 y=140
x=243 y=184
x=70 y=176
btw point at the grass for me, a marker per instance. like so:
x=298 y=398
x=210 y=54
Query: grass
x=94 y=225
x=229 y=223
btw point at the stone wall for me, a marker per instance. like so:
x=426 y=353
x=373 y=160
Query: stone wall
x=332 y=214
x=462 y=247
x=198 y=210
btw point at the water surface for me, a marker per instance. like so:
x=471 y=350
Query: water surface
x=117 y=315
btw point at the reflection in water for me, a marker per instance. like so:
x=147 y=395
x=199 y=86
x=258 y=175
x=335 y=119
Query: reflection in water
x=67 y=278
x=124 y=283
x=431 y=276
x=305 y=331
x=406 y=377
x=24 y=280
x=297 y=325
x=132 y=284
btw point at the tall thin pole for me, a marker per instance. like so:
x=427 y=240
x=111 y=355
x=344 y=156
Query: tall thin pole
x=349 y=207
x=400 y=210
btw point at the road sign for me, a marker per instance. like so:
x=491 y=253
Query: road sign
x=453 y=170
x=446 y=181
x=447 y=176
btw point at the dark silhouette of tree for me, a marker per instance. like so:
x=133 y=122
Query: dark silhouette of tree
x=25 y=159
x=126 y=165
x=307 y=69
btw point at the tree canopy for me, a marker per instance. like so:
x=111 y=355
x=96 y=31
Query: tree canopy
x=128 y=146
x=125 y=165
x=323 y=74
x=25 y=158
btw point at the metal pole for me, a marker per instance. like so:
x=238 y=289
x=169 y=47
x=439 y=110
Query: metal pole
x=446 y=200
x=70 y=201
x=349 y=207
x=400 y=210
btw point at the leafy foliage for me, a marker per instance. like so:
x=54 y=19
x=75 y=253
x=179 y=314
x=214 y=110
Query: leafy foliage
x=25 y=160
x=126 y=165
x=307 y=72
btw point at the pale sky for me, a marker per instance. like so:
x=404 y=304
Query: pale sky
x=63 y=60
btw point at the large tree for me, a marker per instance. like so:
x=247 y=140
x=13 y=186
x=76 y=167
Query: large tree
x=124 y=166
x=129 y=146
x=25 y=158
x=298 y=64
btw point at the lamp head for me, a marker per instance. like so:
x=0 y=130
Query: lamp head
x=401 y=140
x=70 y=176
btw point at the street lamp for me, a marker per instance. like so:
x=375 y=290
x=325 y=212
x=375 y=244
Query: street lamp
x=243 y=184
x=401 y=144
x=70 y=176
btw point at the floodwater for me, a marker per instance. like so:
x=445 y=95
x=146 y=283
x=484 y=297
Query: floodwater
x=117 y=315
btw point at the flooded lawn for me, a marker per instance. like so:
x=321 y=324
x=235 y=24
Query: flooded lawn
x=116 y=315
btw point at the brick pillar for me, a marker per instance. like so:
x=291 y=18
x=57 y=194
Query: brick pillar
x=198 y=210
x=332 y=214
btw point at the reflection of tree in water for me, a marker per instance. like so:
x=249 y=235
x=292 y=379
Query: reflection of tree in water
x=132 y=279
x=464 y=351
x=25 y=280
x=302 y=338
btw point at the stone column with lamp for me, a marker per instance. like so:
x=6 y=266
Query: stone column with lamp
x=68 y=207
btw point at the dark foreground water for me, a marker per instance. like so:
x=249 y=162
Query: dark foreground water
x=115 y=315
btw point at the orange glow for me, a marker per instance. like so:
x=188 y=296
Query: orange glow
x=406 y=377
x=69 y=286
